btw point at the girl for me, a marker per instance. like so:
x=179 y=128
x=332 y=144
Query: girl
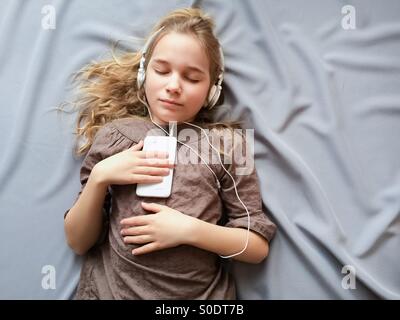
x=161 y=248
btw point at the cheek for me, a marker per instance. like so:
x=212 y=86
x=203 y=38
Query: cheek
x=199 y=93
x=151 y=87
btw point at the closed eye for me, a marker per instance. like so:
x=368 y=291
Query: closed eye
x=193 y=81
x=160 y=72
x=165 y=72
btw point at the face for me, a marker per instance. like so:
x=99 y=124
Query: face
x=178 y=72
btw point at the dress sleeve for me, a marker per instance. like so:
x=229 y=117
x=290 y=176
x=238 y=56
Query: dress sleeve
x=99 y=150
x=239 y=161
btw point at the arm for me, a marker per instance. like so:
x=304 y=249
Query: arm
x=226 y=241
x=159 y=231
x=83 y=223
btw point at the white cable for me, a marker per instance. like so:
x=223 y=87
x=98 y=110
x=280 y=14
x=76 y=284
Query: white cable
x=216 y=178
x=237 y=195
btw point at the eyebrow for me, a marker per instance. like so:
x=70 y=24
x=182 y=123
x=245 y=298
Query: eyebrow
x=193 y=68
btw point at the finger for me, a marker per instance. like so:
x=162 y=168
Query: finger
x=137 y=146
x=152 y=206
x=135 y=221
x=152 y=162
x=153 y=171
x=152 y=154
x=142 y=239
x=142 y=178
x=152 y=246
x=134 y=231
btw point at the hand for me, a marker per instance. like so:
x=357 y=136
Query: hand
x=165 y=228
x=133 y=166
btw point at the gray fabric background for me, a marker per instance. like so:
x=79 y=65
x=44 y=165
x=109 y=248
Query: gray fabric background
x=324 y=102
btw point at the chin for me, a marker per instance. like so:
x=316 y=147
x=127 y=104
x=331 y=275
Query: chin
x=167 y=118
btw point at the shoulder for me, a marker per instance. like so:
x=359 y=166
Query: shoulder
x=117 y=135
x=133 y=128
x=229 y=138
x=236 y=149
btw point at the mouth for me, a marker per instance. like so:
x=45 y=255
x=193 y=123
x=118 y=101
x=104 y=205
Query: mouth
x=170 y=103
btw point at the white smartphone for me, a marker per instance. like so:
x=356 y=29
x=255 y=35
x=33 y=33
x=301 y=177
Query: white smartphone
x=159 y=189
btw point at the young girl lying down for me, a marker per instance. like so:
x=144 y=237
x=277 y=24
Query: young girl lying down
x=163 y=248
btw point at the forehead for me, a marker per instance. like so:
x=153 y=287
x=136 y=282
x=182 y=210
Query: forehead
x=181 y=50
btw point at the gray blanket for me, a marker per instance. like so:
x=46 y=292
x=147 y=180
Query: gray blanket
x=319 y=82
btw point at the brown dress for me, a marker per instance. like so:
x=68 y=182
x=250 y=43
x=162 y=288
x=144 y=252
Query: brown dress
x=109 y=269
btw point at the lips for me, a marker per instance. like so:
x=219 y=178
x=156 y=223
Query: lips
x=170 y=102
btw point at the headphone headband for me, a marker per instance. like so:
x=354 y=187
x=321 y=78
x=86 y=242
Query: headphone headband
x=151 y=39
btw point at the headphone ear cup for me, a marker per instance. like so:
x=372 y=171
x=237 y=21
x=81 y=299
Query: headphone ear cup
x=140 y=78
x=141 y=75
x=214 y=95
x=211 y=94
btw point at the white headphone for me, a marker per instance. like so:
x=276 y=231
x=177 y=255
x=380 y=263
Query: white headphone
x=215 y=90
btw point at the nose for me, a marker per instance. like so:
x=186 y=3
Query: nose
x=173 y=85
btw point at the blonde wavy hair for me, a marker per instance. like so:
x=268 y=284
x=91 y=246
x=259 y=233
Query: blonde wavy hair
x=108 y=89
